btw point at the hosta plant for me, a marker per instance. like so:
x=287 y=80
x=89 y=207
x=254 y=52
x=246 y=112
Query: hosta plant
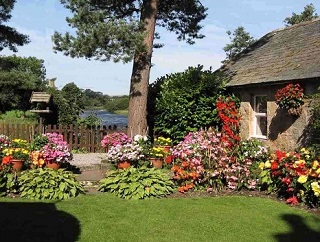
x=49 y=184
x=137 y=183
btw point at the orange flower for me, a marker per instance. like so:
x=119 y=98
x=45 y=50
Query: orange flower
x=6 y=160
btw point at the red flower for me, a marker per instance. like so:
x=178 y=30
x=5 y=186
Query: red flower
x=280 y=155
x=286 y=181
x=6 y=160
x=169 y=159
x=292 y=200
x=274 y=165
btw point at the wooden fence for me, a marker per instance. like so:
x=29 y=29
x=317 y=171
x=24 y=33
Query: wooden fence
x=78 y=137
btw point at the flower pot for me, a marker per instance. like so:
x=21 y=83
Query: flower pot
x=124 y=165
x=166 y=148
x=17 y=164
x=53 y=165
x=156 y=162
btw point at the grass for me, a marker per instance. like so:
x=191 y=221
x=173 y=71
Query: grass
x=107 y=218
x=121 y=112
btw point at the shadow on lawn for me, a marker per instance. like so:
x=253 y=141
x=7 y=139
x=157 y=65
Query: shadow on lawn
x=299 y=230
x=36 y=222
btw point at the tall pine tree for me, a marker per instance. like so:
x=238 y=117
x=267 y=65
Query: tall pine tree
x=124 y=30
x=9 y=37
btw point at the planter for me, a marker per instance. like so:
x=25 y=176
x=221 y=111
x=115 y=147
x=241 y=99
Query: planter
x=53 y=165
x=156 y=162
x=124 y=165
x=166 y=148
x=17 y=164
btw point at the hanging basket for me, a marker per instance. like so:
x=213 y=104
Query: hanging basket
x=295 y=111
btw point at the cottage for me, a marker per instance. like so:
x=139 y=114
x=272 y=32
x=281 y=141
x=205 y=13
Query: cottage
x=288 y=55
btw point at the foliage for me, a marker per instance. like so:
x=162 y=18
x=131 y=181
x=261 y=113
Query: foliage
x=293 y=175
x=49 y=184
x=56 y=150
x=19 y=116
x=19 y=77
x=307 y=14
x=185 y=102
x=94 y=99
x=8 y=180
x=137 y=183
x=115 y=103
x=91 y=120
x=11 y=38
x=39 y=141
x=315 y=120
x=228 y=111
x=125 y=31
x=116 y=138
x=71 y=93
x=240 y=40
x=291 y=96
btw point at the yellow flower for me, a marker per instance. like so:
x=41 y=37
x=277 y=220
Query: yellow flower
x=318 y=171
x=261 y=165
x=267 y=164
x=302 y=179
x=298 y=162
x=303 y=150
x=316 y=188
x=315 y=164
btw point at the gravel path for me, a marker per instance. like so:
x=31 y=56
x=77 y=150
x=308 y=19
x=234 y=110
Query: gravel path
x=89 y=159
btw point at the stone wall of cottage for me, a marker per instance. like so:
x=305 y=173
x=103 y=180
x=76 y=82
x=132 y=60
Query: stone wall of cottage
x=284 y=131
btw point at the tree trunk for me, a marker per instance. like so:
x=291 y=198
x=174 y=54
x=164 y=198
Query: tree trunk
x=137 y=117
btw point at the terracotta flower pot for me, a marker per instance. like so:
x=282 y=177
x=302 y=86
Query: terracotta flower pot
x=124 y=165
x=53 y=165
x=166 y=148
x=156 y=162
x=17 y=164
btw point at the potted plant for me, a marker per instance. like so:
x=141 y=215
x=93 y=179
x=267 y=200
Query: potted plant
x=15 y=156
x=116 y=138
x=124 y=155
x=56 y=151
x=156 y=155
x=163 y=142
x=290 y=98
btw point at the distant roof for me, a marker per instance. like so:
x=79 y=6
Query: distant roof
x=40 y=97
x=290 y=53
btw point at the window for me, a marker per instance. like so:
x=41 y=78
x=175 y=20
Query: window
x=260 y=116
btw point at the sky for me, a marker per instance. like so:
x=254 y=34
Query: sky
x=40 y=18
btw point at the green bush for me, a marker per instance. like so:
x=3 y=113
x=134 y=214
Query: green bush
x=8 y=180
x=19 y=117
x=49 y=184
x=137 y=183
x=184 y=102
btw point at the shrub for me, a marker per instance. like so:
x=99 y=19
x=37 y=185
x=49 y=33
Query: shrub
x=293 y=175
x=184 y=102
x=49 y=184
x=8 y=180
x=137 y=183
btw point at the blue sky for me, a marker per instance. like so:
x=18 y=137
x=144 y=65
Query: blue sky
x=40 y=18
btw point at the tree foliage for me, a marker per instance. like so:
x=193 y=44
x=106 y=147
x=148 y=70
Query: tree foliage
x=307 y=14
x=124 y=30
x=10 y=37
x=185 y=101
x=19 y=76
x=240 y=40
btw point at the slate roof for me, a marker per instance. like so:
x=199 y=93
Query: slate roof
x=291 y=53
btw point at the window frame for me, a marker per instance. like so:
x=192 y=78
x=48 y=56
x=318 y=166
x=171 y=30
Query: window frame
x=256 y=115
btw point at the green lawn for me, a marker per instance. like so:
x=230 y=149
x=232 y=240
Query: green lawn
x=107 y=218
